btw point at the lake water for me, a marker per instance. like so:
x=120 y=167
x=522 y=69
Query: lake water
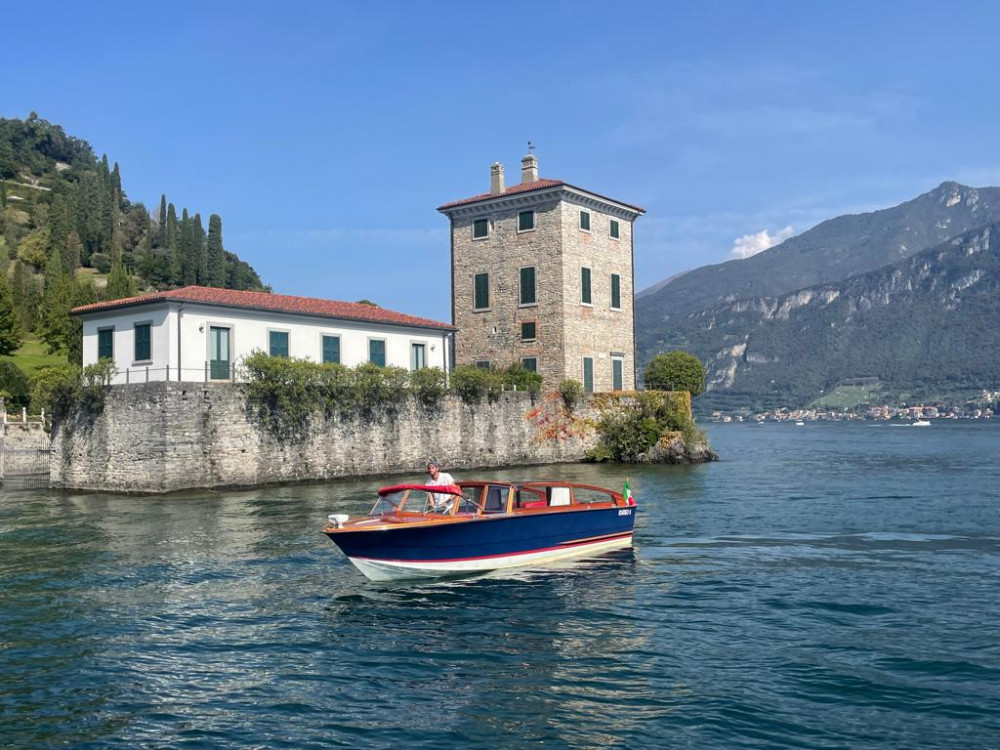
x=826 y=586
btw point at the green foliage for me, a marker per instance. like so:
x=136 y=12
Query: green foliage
x=120 y=283
x=11 y=332
x=518 y=378
x=215 y=256
x=473 y=383
x=13 y=384
x=34 y=248
x=101 y=262
x=59 y=389
x=428 y=385
x=572 y=392
x=631 y=425
x=676 y=371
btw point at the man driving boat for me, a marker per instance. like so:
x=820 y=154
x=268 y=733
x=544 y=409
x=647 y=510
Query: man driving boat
x=438 y=478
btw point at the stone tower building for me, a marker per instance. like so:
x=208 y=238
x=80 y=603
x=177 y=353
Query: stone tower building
x=542 y=275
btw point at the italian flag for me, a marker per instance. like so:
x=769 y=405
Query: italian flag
x=627 y=493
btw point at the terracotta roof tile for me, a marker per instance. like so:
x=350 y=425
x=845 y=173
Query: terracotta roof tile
x=280 y=303
x=523 y=187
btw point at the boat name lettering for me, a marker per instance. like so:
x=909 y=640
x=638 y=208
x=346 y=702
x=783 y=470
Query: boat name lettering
x=625 y=512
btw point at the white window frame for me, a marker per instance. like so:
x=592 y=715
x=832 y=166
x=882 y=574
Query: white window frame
x=525 y=359
x=413 y=343
x=612 y=223
x=528 y=341
x=621 y=360
x=385 y=350
x=149 y=323
x=590 y=221
x=340 y=346
x=279 y=330
x=209 y=325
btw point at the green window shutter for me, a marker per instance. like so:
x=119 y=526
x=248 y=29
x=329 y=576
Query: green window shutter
x=480 y=228
x=615 y=229
x=483 y=364
x=142 y=342
x=530 y=363
x=525 y=221
x=585 y=296
x=588 y=374
x=616 y=374
x=331 y=349
x=528 y=296
x=616 y=291
x=585 y=221
x=482 y=300
x=418 y=356
x=376 y=352
x=528 y=331
x=106 y=343
x=278 y=343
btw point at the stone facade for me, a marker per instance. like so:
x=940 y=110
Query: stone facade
x=558 y=248
x=160 y=437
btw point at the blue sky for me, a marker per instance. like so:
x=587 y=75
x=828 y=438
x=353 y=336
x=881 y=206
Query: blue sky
x=326 y=134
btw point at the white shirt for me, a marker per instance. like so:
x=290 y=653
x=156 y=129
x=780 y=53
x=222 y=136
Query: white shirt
x=440 y=498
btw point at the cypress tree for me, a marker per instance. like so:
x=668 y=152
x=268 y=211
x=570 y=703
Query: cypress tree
x=170 y=231
x=161 y=218
x=57 y=301
x=116 y=181
x=71 y=259
x=215 y=255
x=11 y=331
x=84 y=293
x=18 y=291
x=120 y=283
x=198 y=249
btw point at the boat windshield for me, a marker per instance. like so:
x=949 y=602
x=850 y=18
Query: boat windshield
x=413 y=501
x=388 y=504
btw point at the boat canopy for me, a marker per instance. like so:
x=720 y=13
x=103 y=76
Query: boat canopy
x=443 y=489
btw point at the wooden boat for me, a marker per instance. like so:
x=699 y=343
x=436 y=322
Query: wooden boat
x=416 y=531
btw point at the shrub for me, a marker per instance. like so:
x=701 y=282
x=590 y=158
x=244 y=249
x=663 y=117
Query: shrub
x=380 y=388
x=630 y=426
x=675 y=371
x=428 y=385
x=14 y=384
x=473 y=383
x=337 y=390
x=59 y=388
x=516 y=376
x=571 y=392
x=281 y=391
x=101 y=262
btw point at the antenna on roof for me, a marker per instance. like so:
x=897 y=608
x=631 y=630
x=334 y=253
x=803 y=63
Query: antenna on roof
x=531 y=147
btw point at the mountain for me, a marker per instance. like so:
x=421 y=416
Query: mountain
x=926 y=326
x=831 y=251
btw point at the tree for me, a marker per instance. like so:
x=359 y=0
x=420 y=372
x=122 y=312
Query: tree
x=161 y=219
x=11 y=332
x=34 y=248
x=84 y=293
x=57 y=300
x=675 y=371
x=120 y=283
x=215 y=255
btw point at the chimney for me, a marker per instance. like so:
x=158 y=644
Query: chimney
x=496 y=178
x=529 y=169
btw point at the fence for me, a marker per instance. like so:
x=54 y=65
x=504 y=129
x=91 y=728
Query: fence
x=25 y=451
x=210 y=373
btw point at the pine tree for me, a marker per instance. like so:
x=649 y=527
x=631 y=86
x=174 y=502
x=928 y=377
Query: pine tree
x=215 y=255
x=71 y=258
x=11 y=331
x=120 y=283
x=57 y=301
x=18 y=291
x=84 y=293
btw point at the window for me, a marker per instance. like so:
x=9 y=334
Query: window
x=277 y=343
x=616 y=374
x=482 y=301
x=585 y=221
x=530 y=363
x=376 y=352
x=616 y=292
x=528 y=332
x=615 y=230
x=585 y=296
x=528 y=286
x=588 y=374
x=331 y=349
x=142 y=343
x=218 y=352
x=480 y=229
x=418 y=356
x=483 y=364
x=106 y=343
x=525 y=221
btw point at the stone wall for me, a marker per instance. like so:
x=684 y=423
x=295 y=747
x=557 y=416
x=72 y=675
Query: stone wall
x=160 y=437
x=24 y=449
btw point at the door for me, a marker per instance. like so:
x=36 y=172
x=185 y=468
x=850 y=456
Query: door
x=418 y=357
x=219 y=353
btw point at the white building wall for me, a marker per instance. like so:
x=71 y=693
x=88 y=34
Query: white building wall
x=249 y=332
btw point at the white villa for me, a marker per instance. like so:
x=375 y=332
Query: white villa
x=201 y=334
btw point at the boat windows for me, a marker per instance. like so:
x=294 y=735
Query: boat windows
x=387 y=504
x=587 y=495
x=528 y=498
x=496 y=499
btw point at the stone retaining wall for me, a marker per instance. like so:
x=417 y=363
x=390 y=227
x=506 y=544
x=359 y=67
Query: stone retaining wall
x=160 y=437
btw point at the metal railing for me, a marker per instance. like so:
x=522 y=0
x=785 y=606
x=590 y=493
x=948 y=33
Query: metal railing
x=208 y=373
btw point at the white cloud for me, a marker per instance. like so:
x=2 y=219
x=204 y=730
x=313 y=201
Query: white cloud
x=750 y=244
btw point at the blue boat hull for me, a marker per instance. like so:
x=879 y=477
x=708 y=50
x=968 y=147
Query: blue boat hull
x=486 y=542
